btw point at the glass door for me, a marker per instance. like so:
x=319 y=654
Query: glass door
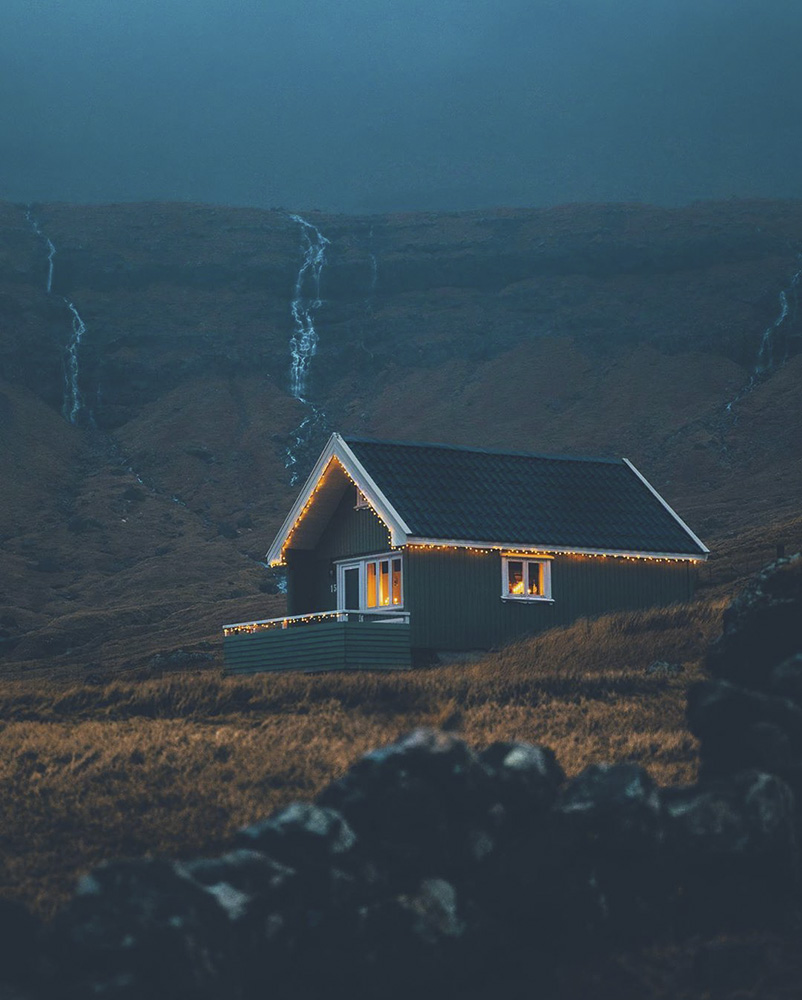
x=350 y=593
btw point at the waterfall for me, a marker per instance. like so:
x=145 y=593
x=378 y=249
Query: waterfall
x=767 y=356
x=51 y=250
x=73 y=403
x=303 y=343
x=766 y=359
x=374 y=269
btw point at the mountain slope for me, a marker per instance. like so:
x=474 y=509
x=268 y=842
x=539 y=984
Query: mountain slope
x=610 y=330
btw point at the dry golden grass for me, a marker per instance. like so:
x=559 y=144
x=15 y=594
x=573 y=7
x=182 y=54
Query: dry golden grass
x=174 y=766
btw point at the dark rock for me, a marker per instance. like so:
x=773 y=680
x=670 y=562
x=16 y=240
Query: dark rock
x=19 y=933
x=508 y=888
x=610 y=809
x=422 y=805
x=303 y=835
x=762 y=626
x=526 y=778
x=608 y=834
x=732 y=853
x=786 y=679
x=414 y=943
x=139 y=929
x=740 y=729
x=264 y=908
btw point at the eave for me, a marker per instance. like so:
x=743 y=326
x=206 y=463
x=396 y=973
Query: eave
x=337 y=450
x=548 y=549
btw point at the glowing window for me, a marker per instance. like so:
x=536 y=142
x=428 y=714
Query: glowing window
x=526 y=579
x=384 y=583
x=396 y=581
x=381 y=581
x=370 y=585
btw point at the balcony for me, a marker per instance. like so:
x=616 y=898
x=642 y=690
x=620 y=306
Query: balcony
x=326 y=640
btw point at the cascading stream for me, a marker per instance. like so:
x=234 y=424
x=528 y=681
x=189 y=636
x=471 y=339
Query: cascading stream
x=766 y=359
x=303 y=343
x=51 y=250
x=73 y=402
x=767 y=356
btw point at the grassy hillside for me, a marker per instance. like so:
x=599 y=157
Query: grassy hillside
x=175 y=765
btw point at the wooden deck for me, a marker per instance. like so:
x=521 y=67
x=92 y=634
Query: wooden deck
x=337 y=640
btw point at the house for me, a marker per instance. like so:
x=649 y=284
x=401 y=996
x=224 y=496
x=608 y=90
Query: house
x=397 y=553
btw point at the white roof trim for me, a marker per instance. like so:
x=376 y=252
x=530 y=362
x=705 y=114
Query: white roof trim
x=670 y=510
x=337 y=448
x=517 y=547
x=378 y=500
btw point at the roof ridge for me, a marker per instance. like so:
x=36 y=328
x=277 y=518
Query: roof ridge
x=358 y=439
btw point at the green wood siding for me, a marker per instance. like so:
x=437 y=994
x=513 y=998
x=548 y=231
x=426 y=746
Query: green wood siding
x=319 y=646
x=454 y=596
x=349 y=533
x=352 y=532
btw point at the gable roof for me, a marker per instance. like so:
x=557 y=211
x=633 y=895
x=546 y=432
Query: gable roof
x=427 y=493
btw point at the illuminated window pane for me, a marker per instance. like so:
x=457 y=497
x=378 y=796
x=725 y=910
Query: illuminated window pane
x=396 y=581
x=371 y=584
x=515 y=577
x=384 y=582
x=534 y=586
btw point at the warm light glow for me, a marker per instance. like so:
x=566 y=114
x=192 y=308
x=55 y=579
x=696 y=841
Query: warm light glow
x=282 y=560
x=515 y=577
x=491 y=549
x=371 y=585
x=384 y=583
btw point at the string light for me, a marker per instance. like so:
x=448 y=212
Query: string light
x=333 y=460
x=288 y=621
x=549 y=554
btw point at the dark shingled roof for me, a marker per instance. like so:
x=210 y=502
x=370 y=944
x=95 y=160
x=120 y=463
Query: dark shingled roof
x=444 y=492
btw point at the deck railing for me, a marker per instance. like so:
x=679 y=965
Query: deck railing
x=376 y=616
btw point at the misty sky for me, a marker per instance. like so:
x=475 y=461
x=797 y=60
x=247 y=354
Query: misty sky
x=372 y=105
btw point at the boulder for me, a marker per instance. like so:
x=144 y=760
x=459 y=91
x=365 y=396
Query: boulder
x=508 y=889
x=415 y=943
x=525 y=780
x=786 y=679
x=608 y=833
x=139 y=929
x=732 y=853
x=421 y=806
x=741 y=729
x=303 y=835
x=762 y=627
x=279 y=919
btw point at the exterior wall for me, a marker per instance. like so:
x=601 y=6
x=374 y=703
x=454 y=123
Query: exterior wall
x=349 y=533
x=454 y=596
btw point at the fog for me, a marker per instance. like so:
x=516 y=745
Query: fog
x=370 y=105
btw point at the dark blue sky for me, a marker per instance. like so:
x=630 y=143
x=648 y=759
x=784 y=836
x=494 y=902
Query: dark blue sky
x=371 y=105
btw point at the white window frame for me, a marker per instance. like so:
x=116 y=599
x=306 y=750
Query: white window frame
x=362 y=565
x=361 y=502
x=545 y=577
